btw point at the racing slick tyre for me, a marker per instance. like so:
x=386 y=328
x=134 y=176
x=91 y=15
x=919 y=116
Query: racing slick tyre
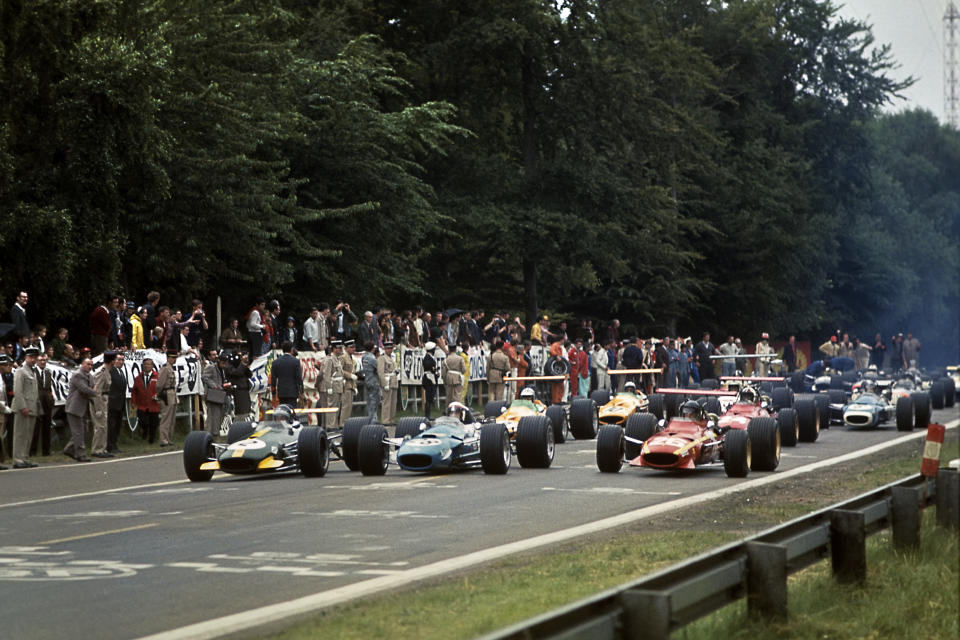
x=640 y=426
x=736 y=453
x=796 y=381
x=313 y=452
x=904 y=413
x=555 y=366
x=949 y=392
x=197 y=449
x=836 y=382
x=610 y=448
x=494 y=408
x=559 y=423
x=601 y=396
x=583 y=419
x=766 y=387
x=936 y=394
x=921 y=409
x=350 y=436
x=495 y=453
x=671 y=403
x=823 y=408
x=655 y=405
x=535 y=445
x=712 y=405
x=789 y=427
x=710 y=383
x=782 y=398
x=837 y=396
x=765 y=439
x=808 y=417
x=373 y=454
x=409 y=426
x=239 y=431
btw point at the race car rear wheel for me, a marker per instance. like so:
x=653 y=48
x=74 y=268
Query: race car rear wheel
x=535 y=445
x=737 y=453
x=837 y=396
x=495 y=453
x=710 y=383
x=655 y=405
x=789 y=427
x=808 y=416
x=936 y=394
x=921 y=409
x=494 y=408
x=782 y=398
x=601 y=396
x=373 y=453
x=796 y=381
x=197 y=449
x=823 y=408
x=409 y=426
x=949 y=392
x=671 y=404
x=904 y=413
x=239 y=430
x=313 y=452
x=350 y=436
x=558 y=421
x=711 y=404
x=583 y=419
x=765 y=440
x=610 y=448
x=640 y=426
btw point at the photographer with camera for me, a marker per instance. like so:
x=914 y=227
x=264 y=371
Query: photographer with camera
x=197 y=323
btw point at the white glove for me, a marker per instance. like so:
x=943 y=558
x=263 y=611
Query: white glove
x=329 y=392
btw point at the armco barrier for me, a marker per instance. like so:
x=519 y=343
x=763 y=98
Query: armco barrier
x=755 y=568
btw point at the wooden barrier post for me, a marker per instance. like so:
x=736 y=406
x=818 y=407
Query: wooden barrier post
x=905 y=516
x=767 y=580
x=646 y=615
x=848 y=549
x=948 y=498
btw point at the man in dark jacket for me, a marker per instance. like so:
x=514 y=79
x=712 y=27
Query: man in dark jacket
x=116 y=403
x=286 y=377
x=632 y=359
x=702 y=353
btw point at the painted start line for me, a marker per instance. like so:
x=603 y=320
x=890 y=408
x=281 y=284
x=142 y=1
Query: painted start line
x=248 y=620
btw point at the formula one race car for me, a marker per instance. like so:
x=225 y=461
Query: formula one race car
x=455 y=441
x=911 y=406
x=528 y=406
x=282 y=443
x=602 y=407
x=691 y=440
x=868 y=408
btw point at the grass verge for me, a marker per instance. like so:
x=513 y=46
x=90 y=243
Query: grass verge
x=509 y=591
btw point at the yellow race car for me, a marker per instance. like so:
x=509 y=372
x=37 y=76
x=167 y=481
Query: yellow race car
x=602 y=407
x=528 y=407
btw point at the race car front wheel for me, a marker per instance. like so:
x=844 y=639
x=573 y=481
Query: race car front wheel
x=313 y=452
x=610 y=448
x=197 y=449
x=535 y=445
x=495 y=452
x=373 y=453
x=736 y=453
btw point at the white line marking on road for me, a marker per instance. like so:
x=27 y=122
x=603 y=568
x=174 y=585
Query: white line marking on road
x=93 y=463
x=379 y=486
x=91 y=493
x=616 y=491
x=379 y=572
x=362 y=513
x=247 y=620
x=94 y=514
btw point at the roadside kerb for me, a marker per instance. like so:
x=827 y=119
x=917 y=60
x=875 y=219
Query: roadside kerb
x=250 y=621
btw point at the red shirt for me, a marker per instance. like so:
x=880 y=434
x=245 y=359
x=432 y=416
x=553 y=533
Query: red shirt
x=142 y=394
x=100 y=321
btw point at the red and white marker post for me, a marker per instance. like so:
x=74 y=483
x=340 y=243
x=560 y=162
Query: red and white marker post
x=931 y=454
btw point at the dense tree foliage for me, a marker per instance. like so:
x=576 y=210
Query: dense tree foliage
x=681 y=164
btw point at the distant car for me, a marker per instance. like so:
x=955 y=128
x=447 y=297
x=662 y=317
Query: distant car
x=455 y=441
x=868 y=410
x=912 y=406
x=604 y=407
x=511 y=413
x=689 y=441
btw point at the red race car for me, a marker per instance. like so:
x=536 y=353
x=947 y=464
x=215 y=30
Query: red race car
x=690 y=440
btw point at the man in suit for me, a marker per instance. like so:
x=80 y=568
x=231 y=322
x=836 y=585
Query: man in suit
x=41 y=432
x=18 y=316
x=349 y=381
x=371 y=382
x=217 y=387
x=454 y=377
x=497 y=367
x=167 y=396
x=26 y=407
x=331 y=374
x=101 y=404
x=389 y=383
x=286 y=377
x=77 y=406
x=116 y=403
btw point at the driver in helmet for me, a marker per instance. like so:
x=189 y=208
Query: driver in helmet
x=747 y=396
x=868 y=386
x=528 y=393
x=630 y=387
x=460 y=411
x=691 y=410
x=283 y=413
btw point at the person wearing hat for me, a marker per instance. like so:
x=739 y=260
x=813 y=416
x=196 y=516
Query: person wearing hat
x=429 y=380
x=26 y=408
x=453 y=379
x=498 y=364
x=371 y=381
x=216 y=387
x=763 y=348
x=830 y=348
x=289 y=332
x=77 y=406
x=349 y=368
x=167 y=396
x=389 y=383
x=331 y=377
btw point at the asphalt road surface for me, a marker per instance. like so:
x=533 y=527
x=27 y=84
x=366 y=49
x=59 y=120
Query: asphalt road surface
x=127 y=548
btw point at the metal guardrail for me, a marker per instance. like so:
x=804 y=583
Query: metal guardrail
x=756 y=567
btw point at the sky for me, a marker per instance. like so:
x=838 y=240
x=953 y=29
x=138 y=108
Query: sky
x=914 y=29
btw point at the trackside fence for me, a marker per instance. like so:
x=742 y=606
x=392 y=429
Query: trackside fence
x=755 y=568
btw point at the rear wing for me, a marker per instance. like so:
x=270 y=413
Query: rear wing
x=697 y=392
x=516 y=378
x=624 y=372
x=753 y=379
x=746 y=355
